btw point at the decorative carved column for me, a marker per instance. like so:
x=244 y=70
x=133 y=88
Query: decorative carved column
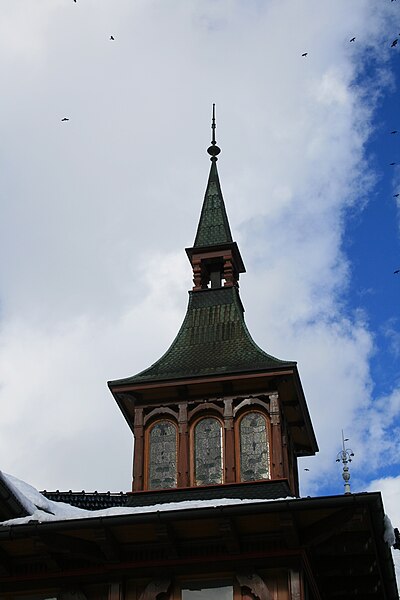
x=138 y=451
x=183 y=447
x=229 y=453
x=228 y=273
x=276 y=437
x=196 y=263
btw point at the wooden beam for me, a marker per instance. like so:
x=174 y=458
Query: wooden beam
x=230 y=536
x=108 y=544
x=327 y=527
x=76 y=547
x=166 y=535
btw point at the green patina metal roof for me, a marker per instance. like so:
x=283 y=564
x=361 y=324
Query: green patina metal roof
x=213 y=226
x=213 y=340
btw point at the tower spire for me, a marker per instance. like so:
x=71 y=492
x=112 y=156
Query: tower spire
x=213 y=150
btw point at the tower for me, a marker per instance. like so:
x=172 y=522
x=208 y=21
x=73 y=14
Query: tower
x=219 y=425
x=215 y=409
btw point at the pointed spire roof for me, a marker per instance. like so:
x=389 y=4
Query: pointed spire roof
x=213 y=338
x=213 y=228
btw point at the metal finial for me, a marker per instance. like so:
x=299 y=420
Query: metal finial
x=213 y=150
x=345 y=456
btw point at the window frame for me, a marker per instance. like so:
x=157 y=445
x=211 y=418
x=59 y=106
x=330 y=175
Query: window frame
x=147 y=443
x=237 y=423
x=192 y=448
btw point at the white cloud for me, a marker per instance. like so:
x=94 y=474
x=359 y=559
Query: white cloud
x=97 y=210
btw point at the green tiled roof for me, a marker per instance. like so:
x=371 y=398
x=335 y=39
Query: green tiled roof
x=213 y=340
x=213 y=226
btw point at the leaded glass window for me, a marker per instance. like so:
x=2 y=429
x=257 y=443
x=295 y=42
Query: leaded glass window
x=162 y=456
x=254 y=448
x=208 y=462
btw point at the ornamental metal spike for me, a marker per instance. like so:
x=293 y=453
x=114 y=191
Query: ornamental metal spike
x=345 y=456
x=213 y=150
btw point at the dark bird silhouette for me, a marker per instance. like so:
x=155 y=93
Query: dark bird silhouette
x=65 y=119
x=392 y=164
x=396 y=271
x=112 y=37
x=394 y=43
x=306 y=469
x=396 y=195
x=393 y=132
x=305 y=54
x=353 y=39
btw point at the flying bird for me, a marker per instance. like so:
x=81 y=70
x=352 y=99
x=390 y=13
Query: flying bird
x=305 y=54
x=392 y=164
x=396 y=195
x=306 y=469
x=112 y=37
x=353 y=39
x=393 y=132
x=397 y=271
x=394 y=43
x=65 y=119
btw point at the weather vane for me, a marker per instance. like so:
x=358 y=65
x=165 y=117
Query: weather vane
x=345 y=456
x=213 y=150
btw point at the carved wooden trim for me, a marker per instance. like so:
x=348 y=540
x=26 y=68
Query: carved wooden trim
x=251 y=402
x=255 y=584
x=154 y=588
x=206 y=406
x=161 y=410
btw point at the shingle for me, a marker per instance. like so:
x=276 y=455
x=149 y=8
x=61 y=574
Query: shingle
x=213 y=226
x=88 y=500
x=213 y=339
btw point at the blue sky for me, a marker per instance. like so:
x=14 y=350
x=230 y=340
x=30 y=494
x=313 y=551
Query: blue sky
x=372 y=241
x=97 y=211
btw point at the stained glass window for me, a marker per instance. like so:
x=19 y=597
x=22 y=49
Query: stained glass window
x=162 y=456
x=208 y=452
x=254 y=448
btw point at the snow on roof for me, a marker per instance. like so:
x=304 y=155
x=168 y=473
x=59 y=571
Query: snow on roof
x=41 y=509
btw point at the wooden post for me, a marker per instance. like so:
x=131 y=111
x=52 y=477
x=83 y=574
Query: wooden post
x=183 y=447
x=138 y=451
x=229 y=453
x=276 y=438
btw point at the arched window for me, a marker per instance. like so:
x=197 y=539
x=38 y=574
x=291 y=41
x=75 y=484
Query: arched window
x=208 y=459
x=254 y=447
x=162 y=456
